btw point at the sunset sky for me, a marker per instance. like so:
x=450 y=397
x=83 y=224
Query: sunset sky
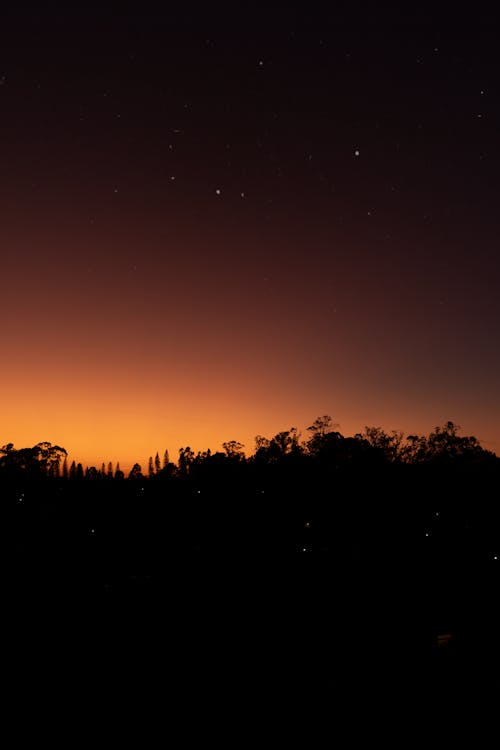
x=218 y=224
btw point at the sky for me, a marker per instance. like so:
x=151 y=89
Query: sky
x=221 y=223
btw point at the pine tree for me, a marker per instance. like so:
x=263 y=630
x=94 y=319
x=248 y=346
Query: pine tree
x=65 y=468
x=157 y=463
x=166 y=459
x=72 y=470
x=151 y=471
x=110 y=470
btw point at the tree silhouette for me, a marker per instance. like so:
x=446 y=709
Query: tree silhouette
x=282 y=444
x=135 y=472
x=186 y=458
x=92 y=473
x=41 y=461
x=389 y=445
x=323 y=440
x=157 y=463
x=233 y=449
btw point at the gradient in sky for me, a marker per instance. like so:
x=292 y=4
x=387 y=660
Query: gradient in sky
x=215 y=225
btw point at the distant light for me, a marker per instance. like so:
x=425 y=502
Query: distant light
x=261 y=63
x=427 y=535
x=437 y=514
x=172 y=178
x=242 y=195
x=217 y=191
x=307 y=524
x=92 y=531
x=198 y=492
x=356 y=152
x=495 y=557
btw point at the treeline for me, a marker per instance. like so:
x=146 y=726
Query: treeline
x=324 y=449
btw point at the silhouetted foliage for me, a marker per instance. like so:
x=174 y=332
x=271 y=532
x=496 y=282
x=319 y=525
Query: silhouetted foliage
x=135 y=472
x=41 y=461
x=234 y=450
x=325 y=450
x=366 y=508
x=186 y=458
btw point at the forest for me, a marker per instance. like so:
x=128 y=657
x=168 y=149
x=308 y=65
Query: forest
x=374 y=496
x=324 y=449
x=380 y=551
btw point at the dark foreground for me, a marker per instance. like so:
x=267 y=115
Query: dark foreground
x=202 y=602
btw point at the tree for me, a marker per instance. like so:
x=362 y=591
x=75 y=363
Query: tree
x=110 y=470
x=166 y=459
x=119 y=473
x=282 y=444
x=48 y=457
x=157 y=463
x=323 y=437
x=72 y=470
x=234 y=450
x=92 y=473
x=390 y=445
x=186 y=458
x=136 y=472
x=321 y=426
x=65 y=468
x=151 y=471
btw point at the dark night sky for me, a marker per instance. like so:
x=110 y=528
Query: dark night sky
x=215 y=224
